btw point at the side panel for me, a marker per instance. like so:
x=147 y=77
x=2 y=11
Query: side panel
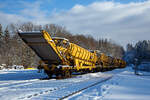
x=40 y=46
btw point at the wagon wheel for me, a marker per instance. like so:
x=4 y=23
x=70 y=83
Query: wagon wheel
x=49 y=74
x=66 y=74
x=58 y=76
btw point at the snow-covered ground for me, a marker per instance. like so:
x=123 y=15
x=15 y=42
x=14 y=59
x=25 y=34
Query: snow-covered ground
x=26 y=84
x=124 y=85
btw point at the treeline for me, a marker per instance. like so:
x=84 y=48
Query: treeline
x=14 y=52
x=141 y=52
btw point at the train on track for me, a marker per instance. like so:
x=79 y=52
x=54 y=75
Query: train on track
x=60 y=57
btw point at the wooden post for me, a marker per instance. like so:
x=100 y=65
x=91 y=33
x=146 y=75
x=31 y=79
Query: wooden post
x=135 y=66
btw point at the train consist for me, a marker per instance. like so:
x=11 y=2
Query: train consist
x=60 y=57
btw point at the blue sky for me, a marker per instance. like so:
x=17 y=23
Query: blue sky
x=123 y=21
x=14 y=6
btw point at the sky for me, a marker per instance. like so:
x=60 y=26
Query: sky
x=122 y=21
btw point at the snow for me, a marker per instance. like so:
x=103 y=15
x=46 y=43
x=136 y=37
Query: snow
x=145 y=66
x=26 y=84
x=123 y=86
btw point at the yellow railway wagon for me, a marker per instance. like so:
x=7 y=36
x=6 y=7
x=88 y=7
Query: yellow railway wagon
x=81 y=57
x=106 y=61
x=60 y=57
x=77 y=56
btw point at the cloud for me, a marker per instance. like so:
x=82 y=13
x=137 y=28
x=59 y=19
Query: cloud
x=33 y=13
x=29 y=12
x=123 y=23
x=6 y=19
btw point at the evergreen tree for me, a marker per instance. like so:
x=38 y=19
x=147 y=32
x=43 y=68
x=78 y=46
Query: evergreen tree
x=7 y=35
x=129 y=47
x=1 y=31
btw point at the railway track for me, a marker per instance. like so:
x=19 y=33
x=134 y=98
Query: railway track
x=37 y=89
x=46 y=91
x=19 y=84
x=75 y=92
x=67 y=90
